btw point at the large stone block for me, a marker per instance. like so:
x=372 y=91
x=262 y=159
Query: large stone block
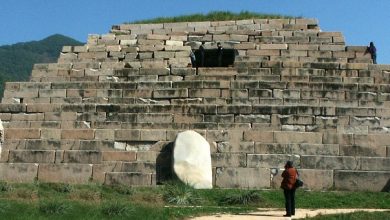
x=83 y=157
x=330 y=162
x=273 y=46
x=298 y=137
x=119 y=156
x=99 y=170
x=65 y=173
x=127 y=135
x=362 y=180
x=300 y=149
x=83 y=134
x=153 y=135
x=152 y=156
x=259 y=136
x=164 y=54
x=228 y=159
x=31 y=156
x=375 y=163
x=362 y=150
x=27 y=117
x=19 y=172
x=217 y=71
x=171 y=93
x=145 y=167
x=11 y=133
x=253 y=178
x=270 y=160
x=241 y=147
x=154 y=117
x=13 y=108
x=129 y=179
x=263 y=52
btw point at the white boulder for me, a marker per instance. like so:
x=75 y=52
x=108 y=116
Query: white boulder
x=192 y=160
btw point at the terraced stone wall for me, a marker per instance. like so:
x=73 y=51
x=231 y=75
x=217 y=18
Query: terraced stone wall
x=109 y=111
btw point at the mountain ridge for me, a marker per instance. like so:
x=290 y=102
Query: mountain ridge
x=17 y=60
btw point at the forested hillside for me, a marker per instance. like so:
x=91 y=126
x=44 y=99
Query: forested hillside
x=17 y=60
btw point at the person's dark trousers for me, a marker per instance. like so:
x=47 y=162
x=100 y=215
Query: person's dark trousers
x=289 y=197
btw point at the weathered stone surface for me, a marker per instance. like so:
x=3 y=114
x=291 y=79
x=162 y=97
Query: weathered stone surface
x=362 y=180
x=253 y=178
x=118 y=156
x=192 y=160
x=300 y=149
x=229 y=159
x=65 y=173
x=375 y=163
x=19 y=172
x=242 y=147
x=99 y=170
x=126 y=178
x=22 y=133
x=312 y=181
x=329 y=162
x=31 y=156
x=298 y=137
x=83 y=134
x=145 y=167
x=270 y=160
x=83 y=157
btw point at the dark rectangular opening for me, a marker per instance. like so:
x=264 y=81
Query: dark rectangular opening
x=211 y=58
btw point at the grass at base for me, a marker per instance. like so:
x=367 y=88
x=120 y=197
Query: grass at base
x=23 y=210
x=94 y=201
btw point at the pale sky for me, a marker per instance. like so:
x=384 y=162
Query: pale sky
x=361 y=21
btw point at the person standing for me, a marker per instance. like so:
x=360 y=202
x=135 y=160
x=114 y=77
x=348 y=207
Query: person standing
x=288 y=185
x=201 y=53
x=220 y=53
x=193 y=58
x=372 y=50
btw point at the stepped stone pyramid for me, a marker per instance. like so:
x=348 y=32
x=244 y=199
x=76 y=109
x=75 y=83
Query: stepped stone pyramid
x=109 y=111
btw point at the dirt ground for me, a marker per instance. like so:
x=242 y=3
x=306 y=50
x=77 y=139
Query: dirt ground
x=277 y=214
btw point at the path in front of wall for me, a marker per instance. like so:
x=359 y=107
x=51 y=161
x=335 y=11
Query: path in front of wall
x=277 y=214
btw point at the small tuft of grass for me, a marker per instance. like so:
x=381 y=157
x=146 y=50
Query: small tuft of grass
x=22 y=193
x=50 y=207
x=244 y=197
x=86 y=194
x=63 y=188
x=180 y=194
x=57 y=187
x=5 y=187
x=111 y=209
x=123 y=190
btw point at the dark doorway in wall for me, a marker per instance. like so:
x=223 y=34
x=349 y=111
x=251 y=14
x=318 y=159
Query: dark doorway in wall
x=211 y=58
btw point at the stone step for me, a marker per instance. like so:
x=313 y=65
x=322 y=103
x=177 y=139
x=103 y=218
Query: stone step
x=217 y=73
x=320 y=162
x=354 y=88
x=130 y=179
x=362 y=180
x=63 y=116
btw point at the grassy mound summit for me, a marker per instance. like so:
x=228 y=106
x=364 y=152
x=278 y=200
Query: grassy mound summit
x=211 y=16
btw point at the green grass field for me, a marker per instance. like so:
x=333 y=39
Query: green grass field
x=172 y=201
